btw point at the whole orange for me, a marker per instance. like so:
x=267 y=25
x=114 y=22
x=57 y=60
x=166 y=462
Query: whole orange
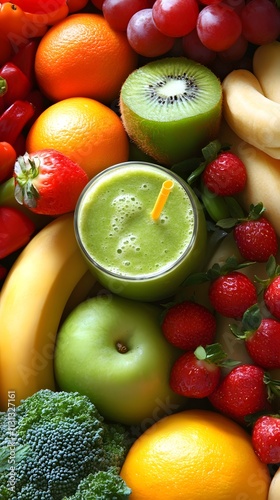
x=82 y=56
x=195 y=455
x=86 y=130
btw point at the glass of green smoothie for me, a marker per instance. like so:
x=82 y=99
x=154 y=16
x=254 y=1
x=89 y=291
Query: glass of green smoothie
x=138 y=243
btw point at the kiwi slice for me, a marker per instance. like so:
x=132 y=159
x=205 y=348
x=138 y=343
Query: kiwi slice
x=171 y=108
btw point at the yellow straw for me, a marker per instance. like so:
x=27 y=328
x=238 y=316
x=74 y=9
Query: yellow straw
x=161 y=199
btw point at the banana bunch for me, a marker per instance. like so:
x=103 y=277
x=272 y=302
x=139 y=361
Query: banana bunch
x=251 y=104
x=46 y=281
x=252 y=127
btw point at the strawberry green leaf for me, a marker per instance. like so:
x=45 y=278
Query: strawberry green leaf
x=196 y=173
x=211 y=151
x=252 y=318
x=273 y=386
x=186 y=167
x=214 y=353
x=3 y=86
x=255 y=211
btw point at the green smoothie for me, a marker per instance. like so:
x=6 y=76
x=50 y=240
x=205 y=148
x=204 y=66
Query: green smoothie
x=130 y=252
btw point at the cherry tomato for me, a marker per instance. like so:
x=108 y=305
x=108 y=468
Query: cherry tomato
x=7 y=160
x=44 y=13
x=16 y=230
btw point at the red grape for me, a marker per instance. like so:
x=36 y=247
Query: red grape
x=260 y=21
x=97 y=3
x=145 y=38
x=209 y=2
x=236 y=5
x=235 y=51
x=175 y=18
x=218 y=26
x=194 y=49
x=118 y=12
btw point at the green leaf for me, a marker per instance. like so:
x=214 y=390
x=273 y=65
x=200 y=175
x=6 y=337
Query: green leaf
x=196 y=279
x=256 y=211
x=273 y=386
x=227 y=223
x=236 y=211
x=196 y=173
x=186 y=167
x=252 y=318
x=200 y=353
x=211 y=151
x=215 y=354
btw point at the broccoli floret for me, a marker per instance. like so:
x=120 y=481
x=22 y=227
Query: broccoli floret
x=60 y=439
x=103 y=485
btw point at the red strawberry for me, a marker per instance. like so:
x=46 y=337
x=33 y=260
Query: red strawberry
x=261 y=336
x=266 y=438
x=256 y=239
x=270 y=287
x=271 y=297
x=196 y=374
x=188 y=325
x=231 y=294
x=225 y=175
x=243 y=391
x=48 y=182
x=255 y=236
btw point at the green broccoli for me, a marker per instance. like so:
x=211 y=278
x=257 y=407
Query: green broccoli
x=102 y=485
x=57 y=447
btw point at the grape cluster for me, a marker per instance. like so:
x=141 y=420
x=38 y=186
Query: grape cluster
x=216 y=32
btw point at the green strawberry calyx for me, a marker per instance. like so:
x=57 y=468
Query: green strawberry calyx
x=272 y=270
x=26 y=170
x=231 y=264
x=255 y=212
x=214 y=354
x=250 y=322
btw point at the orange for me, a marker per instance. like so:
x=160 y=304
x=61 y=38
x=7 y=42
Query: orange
x=82 y=56
x=195 y=455
x=86 y=130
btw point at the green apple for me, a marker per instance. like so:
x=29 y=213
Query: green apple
x=112 y=349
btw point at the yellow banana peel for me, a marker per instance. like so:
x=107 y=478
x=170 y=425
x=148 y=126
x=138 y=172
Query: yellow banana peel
x=266 y=67
x=32 y=302
x=251 y=101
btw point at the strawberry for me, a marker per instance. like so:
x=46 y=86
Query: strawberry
x=266 y=438
x=231 y=294
x=246 y=389
x=261 y=336
x=272 y=297
x=254 y=235
x=226 y=175
x=187 y=325
x=195 y=374
x=48 y=182
x=270 y=287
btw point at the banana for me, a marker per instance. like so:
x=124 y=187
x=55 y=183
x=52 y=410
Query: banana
x=32 y=302
x=263 y=175
x=86 y=287
x=251 y=115
x=266 y=67
x=274 y=489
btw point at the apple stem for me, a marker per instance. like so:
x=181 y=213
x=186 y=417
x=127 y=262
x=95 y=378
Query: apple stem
x=121 y=347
